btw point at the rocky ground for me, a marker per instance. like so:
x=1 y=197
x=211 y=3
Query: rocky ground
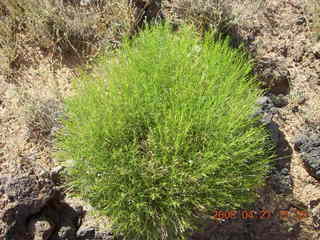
x=34 y=205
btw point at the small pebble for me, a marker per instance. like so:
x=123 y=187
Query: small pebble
x=295 y=109
x=301 y=20
x=301 y=100
x=86 y=233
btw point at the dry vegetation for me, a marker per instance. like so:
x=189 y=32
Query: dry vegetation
x=58 y=27
x=41 y=43
x=314 y=8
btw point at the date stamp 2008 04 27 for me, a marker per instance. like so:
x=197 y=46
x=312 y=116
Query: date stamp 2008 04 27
x=260 y=214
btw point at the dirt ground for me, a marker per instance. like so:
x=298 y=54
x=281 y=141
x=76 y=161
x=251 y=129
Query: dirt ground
x=287 y=53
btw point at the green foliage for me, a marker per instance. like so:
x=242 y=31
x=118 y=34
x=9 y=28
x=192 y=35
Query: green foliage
x=165 y=134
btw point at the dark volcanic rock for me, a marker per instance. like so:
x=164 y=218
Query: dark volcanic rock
x=41 y=228
x=265 y=103
x=105 y=236
x=309 y=147
x=90 y=233
x=273 y=75
x=315 y=213
x=273 y=128
x=68 y=218
x=25 y=196
x=280 y=101
x=316 y=50
x=280 y=178
x=86 y=233
x=66 y=233
x=281 y=181
x=299 y=142
x=33 y=207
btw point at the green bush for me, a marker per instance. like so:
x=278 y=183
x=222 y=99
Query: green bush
x=168 y=137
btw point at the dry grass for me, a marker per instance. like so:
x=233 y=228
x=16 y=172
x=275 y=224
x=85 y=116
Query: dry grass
x=204 y=14
x=66 y=28
x=41 y=42
x=41 y=119
x=28 y=115
x=224 y=16
x=313 y=7
x=58 y=27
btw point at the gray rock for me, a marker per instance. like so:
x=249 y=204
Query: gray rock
x=274 y=77
x=295 y=109
x=41 y=228
x=86 y=233
x=281 y=181
x=55 y=174
x=301 y=100
x=267 y=119
x=272 y=127
x=90 y=233
x=85 y=2
x=316 y=50
x=26 y=196
x=299 y=142
x=34 y=208
x=57 y=170
x=264 y=100
x=274 y=110
x=280 y=101
x=265 y=103
x=66 y=233
x=284 y=171
x=315 y=213
x=69 y=219
x=106 y=236
x=309 y=147
x=301 y=20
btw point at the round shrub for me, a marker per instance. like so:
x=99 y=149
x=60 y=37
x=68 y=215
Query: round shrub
x=164 y=134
